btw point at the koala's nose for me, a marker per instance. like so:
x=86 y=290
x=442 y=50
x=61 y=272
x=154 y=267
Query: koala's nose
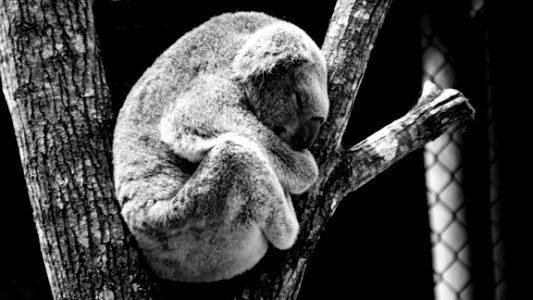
x=306 y=134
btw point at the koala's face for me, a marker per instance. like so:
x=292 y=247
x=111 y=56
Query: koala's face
x=294 y=103
x=284 y=73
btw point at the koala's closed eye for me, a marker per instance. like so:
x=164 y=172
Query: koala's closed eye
x=298 y=98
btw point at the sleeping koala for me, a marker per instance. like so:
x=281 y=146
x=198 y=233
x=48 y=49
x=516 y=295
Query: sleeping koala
x=211 y=141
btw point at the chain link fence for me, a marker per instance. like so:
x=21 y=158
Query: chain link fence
x=451 y=251
x=449 y=237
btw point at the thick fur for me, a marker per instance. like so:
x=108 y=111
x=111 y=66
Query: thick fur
x=203 y=180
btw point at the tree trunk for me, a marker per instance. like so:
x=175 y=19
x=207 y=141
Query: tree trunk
x=56 y=92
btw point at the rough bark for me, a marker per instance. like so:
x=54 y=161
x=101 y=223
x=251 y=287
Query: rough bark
x=435 y=112
x=54 y=85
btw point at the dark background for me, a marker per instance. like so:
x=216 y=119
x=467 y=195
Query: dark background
x=377 y=246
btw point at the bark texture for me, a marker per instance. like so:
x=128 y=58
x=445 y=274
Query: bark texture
x=54 y=85
x=55 y=89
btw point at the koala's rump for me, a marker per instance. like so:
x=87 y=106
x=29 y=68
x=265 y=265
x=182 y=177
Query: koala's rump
x=197 y=255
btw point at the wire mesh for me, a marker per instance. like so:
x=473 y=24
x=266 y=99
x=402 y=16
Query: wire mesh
x=451 y=249
x=444 y=180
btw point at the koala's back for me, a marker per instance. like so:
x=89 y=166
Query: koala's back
x=207 y=49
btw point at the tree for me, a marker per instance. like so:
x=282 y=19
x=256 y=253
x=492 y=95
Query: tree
x=54 y=84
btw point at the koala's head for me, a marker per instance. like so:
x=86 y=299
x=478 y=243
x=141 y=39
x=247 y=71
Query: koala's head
x=284 y=74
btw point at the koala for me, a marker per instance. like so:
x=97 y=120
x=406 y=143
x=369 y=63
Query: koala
x=211 y=142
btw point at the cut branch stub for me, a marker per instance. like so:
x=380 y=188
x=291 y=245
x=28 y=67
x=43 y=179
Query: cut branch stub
x=436 y=111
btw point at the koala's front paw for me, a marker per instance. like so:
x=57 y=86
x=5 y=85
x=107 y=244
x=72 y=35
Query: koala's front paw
x=304 y=173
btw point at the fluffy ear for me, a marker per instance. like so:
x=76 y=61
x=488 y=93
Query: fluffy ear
x=278 y=45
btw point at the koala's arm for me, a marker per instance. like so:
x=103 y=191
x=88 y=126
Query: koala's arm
x=199 y=121
x=296 y=170
x=233 y=183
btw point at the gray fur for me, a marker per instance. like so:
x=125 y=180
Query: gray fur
x=203 y=181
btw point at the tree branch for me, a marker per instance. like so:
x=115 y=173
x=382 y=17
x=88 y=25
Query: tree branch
x=435 y=112
x=350 y=38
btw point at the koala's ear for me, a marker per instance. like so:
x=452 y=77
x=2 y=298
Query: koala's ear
x=281 y=45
